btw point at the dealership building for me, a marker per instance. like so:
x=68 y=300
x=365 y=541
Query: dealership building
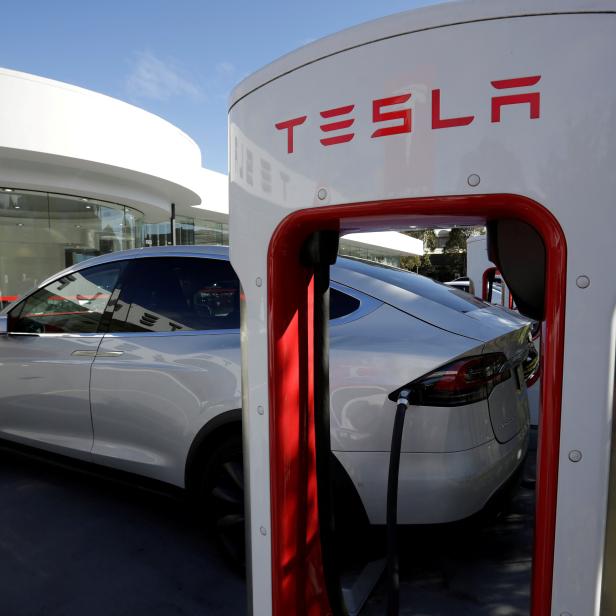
x=82 y=174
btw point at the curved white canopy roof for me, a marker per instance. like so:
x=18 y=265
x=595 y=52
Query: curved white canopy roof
x=57 y=137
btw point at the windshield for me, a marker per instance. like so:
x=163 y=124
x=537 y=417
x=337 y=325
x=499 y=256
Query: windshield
x=420 y=285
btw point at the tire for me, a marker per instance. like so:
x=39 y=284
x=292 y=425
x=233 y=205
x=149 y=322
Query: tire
x=221 y=499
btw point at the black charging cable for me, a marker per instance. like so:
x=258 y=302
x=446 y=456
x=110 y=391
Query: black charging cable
x=393 y=573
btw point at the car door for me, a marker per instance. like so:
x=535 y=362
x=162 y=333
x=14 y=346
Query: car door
x=53 y=336
x=169 y=363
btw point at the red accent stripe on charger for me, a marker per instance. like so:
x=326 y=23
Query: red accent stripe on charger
x=298 y=585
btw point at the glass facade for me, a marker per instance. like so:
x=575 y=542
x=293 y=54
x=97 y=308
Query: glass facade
x=369 y=253
x=211 y=232
x=42 y=233
x=188 y=231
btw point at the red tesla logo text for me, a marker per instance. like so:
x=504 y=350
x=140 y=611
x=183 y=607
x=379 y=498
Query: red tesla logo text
x=337 y=131
x=338 y=125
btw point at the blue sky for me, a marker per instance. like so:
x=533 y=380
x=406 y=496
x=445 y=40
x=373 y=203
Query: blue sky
x=178 y=59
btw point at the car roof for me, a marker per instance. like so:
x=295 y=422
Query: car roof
x=344 y=271
x=220 y=252
x=207 y=250
x=215 y=251
x=414 y=294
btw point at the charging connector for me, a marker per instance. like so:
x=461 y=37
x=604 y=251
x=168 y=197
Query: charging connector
x=393 y=574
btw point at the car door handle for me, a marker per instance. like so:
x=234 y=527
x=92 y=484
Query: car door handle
x=84 y=353
x=97 y=353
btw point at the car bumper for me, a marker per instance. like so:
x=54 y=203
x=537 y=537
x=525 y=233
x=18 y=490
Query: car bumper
x=435 y=487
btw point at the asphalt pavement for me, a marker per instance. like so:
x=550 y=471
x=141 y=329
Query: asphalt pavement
x=480 y=567
x=73 y=544
x=76 y=545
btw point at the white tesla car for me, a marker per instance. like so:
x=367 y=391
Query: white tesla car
x=132 y=360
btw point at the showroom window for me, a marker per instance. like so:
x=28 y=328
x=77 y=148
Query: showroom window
x=211 y=232
x=177 y=294
x=368 y=253
x=42 y=233
x=188 y=231
x=71 y=304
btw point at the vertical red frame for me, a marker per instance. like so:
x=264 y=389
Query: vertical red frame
x=298 y=586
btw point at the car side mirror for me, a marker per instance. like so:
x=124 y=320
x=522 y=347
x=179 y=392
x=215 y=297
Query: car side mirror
x=4 y=324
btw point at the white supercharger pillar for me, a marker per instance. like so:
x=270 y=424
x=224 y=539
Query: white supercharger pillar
x=466 y=112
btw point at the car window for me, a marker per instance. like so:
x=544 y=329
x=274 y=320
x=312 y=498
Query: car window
x=437 y=292
x=71 y=304
x=177 y=294
x=341 y=304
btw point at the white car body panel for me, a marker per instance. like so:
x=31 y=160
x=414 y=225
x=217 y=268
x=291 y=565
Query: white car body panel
x=447 y=482
x=362 y=416
x=434 y=487
x=149 y=403
x=488 y=323
x=44 y=395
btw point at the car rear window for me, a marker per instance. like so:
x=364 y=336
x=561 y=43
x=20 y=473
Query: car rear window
x=341 y=304
x=420 y=285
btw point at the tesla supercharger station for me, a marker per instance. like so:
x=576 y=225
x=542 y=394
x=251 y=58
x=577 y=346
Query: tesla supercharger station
x=489 y=112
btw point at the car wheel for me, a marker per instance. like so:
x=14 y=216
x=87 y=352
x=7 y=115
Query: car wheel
x=221 y=496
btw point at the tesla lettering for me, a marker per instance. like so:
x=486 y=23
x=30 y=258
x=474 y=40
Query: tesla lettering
x=338 y=125
x=378 y=115
x=403 y=119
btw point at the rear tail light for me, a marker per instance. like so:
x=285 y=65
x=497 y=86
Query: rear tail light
x=460 y=382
